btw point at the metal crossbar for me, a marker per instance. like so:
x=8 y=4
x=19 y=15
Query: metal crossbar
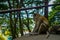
x=22 y=9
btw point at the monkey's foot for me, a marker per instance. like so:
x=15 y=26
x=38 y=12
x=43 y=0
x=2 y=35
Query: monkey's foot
x=47 y=35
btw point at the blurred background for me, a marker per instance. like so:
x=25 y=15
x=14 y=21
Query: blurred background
x=15 y=24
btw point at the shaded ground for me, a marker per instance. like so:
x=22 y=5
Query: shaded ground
x=39 y=37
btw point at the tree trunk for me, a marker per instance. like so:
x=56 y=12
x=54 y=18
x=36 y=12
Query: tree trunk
x=15 y=21
x=27 y=18
x=11 y=26
x=19 y=15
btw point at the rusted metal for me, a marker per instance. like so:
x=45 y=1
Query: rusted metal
x=22 y=9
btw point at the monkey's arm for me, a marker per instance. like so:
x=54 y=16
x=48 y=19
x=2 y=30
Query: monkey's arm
x=37 y=25
x=35 y=30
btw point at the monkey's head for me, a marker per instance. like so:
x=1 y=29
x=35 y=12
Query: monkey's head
x=36 y=16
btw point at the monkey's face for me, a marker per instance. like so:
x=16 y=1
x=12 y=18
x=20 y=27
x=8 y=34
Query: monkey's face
x=36 y=16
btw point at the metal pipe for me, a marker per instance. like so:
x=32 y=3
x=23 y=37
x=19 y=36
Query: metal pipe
x=22 y=9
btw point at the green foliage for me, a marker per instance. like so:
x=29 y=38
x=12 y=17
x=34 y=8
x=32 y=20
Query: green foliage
x=53 y=13
x=57 y=7
x=1 y=20
x=3 y=0
x=3 y=6
x=26 y=3
x=25 y=21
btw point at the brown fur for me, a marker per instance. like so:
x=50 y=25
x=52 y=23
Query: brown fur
x=41 y=24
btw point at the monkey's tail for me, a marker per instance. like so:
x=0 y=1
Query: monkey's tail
x=47 y=36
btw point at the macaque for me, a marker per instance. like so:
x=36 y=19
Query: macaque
x=41 y=24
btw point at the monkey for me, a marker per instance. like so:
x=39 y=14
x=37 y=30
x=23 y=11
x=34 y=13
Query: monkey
x=41 y=25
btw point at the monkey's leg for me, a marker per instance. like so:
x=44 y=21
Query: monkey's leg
x=35 y=30
x=40 y=28
x=37 y=25
x=48 y=32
